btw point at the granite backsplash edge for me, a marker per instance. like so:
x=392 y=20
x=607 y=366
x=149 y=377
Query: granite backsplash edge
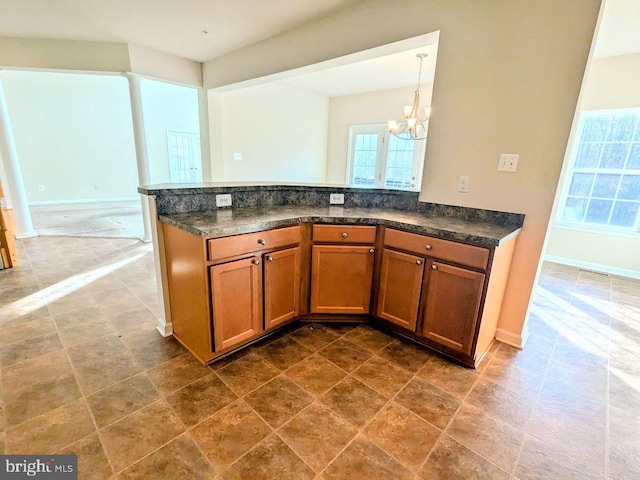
x=182 y=200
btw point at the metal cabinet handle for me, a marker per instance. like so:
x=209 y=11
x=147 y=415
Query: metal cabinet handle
x=344 y=235
x=434 y=267
x=418 y=262
x=256 y=262
x=429 y=247
x=262 y=242
x=371 y=250
x=269 y=258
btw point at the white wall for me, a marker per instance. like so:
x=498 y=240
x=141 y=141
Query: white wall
x=166 y=107
x=64 y=54
x=280 y=131
x=610 y=83
x=73 y=135
x=507 y=81
x=156 y=64
x=374 y=107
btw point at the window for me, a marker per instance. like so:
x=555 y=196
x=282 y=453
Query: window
x=379 y=159
x=602 y=187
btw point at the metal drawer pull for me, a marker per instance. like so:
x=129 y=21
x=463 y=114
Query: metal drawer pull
x=429 y=247
x=344 y=235
x=434 y=267
x=269 y=258
x=262 y=242
x=371 y=250
x=256 y=262
x=418 y=262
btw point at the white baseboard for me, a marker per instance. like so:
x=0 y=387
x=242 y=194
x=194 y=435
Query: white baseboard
x=84 y=200
x=165 y=329
x=27 y=235
x=622 y=272
x=511 y=338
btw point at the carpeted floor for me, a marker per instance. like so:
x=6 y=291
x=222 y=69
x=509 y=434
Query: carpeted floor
x=104 y=219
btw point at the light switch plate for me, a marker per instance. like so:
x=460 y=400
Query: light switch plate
x=508 y=162
x=463 y=184
x=336 y=199
x=237 y=156
x=223 y=200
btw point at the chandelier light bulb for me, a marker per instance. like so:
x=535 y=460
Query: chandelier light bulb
x=408 y=110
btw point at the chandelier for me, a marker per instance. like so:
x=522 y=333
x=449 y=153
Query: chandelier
x=414 y=126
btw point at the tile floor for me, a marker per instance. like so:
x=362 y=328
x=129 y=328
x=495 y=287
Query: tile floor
x=83 y=371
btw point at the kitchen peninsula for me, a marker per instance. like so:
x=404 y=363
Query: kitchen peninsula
x=432 y=273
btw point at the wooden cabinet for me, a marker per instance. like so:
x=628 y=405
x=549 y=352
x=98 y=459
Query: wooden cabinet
x=462 y=286
x=400 y=286
x=452 y=306
x=226 y=292
x=236 y=291
x=341 y=277
x=281 y=286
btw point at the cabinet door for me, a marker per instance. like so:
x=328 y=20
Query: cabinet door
x=236 y=290
x=400 y=287
x=281 y=286
x=453 y=301
x=341 y=278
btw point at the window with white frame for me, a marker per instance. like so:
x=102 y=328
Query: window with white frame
x=379 y=159
x=602 y=186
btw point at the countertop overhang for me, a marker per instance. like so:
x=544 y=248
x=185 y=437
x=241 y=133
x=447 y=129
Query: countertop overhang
x=226 y=222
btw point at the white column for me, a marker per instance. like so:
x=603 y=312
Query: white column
x=205 y=144
x=140 y=139
x=13 y=183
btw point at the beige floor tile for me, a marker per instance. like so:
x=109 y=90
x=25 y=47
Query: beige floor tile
x=271 y=459
x=497 y=441
x=51 y=431
x=353 y=401
x=402 y=434
x=176 y=373
x=180 y=459
x=278 y=400
x=230 y=433
x=142 y=432
x=315 y=374
x=317 y=435
x=364 y=458
x=121 y=399
x=92 y=461
x=200 y=399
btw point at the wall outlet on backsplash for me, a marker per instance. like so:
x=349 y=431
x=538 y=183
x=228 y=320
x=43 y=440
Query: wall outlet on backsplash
x=223 y=200
x=336 y=199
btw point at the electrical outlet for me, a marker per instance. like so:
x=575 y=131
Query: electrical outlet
x=336 y=199
x=508 y=162
x=41 y=188
x=237 y=156
x=463 y=184
x=223 y=200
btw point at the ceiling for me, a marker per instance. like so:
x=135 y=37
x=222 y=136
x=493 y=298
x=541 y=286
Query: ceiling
x=381 y=73
x=619 y=29
x=176 y=26
x=170 y=26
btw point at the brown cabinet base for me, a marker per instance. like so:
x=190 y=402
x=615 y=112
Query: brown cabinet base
x=466 y=360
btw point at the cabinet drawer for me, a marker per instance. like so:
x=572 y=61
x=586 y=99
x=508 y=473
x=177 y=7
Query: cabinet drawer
x=469 y=255
x=344 y=234
x=252 y=242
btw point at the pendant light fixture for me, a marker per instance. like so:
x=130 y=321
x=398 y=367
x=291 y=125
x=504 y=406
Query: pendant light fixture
x=414 y=126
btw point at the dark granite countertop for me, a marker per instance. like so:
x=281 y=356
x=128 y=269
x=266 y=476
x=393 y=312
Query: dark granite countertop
x=225 y=222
